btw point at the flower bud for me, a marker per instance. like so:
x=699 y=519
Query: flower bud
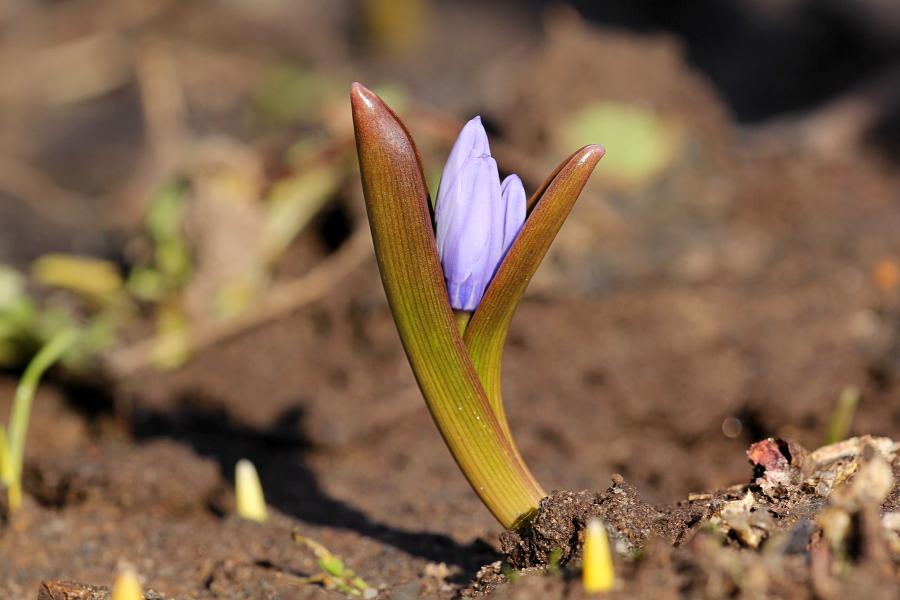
x=477 y=217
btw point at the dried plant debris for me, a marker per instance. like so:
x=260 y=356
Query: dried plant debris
x=778 y=465
x=890 y=522
x=821 y=524
x=741 y=519
x=793 y=487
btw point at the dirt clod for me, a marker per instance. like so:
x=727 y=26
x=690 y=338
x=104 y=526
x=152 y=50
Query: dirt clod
x=779 y=465
x=558 y=528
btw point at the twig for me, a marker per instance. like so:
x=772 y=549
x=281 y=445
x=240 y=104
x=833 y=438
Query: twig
x=280 y=300
x=162 y=101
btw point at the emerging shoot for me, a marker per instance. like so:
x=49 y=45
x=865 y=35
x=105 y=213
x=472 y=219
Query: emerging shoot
x=597 y=566
x=251 y=504
x=335 y=574
x=842 y=418
x=452 y=293
x=127 y=586
x=12 y=441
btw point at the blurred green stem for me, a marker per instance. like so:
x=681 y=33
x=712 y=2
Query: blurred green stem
x=842 y=417
x=14 y=453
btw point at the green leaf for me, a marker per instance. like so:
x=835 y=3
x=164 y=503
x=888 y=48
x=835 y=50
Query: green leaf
x=646 y=143
x=164 y=223
x=12 y=287
x=485 y=335
x=332 y=565
x=90 y=277
x=293 y=202
x=288 y=93
x=399 y=214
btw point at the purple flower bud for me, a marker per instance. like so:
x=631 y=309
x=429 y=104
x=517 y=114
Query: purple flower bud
x=514 y=199
x=477 y=218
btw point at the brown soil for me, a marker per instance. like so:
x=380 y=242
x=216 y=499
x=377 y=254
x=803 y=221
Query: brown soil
x=673 y=325
x=823 y=506
x=560 y=524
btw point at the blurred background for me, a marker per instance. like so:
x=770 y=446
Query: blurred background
x=179 y=180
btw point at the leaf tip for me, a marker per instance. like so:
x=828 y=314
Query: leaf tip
x=591 y=154
x=362 y=97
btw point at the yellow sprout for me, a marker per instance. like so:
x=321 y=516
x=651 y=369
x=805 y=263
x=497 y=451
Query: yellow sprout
x=127 y=586
x=597 y=567
x=251 y=504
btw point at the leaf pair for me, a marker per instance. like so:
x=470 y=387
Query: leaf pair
x=458 y=376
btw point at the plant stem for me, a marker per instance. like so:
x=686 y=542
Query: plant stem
x=21 y=410
x=462 y=319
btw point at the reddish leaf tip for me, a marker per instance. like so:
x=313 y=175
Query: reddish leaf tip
x=591 y=153
x=361 y=96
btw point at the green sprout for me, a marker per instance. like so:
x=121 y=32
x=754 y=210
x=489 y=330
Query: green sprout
x=12 y=440
x=842 y=417
x=335 y=574
x=553 y=562
x=171 y=265
x=18 y=318
x=455 y=357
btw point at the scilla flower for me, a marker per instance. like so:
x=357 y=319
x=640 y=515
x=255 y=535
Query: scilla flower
x=477 y=217
x=458 y=368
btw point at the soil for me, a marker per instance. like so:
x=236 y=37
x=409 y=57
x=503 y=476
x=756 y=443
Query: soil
x=675 y=323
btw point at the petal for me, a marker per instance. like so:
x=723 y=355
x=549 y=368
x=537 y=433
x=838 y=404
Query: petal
x=514 y=200
x=467 y=227
x=444 y=214
x=472 y=141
